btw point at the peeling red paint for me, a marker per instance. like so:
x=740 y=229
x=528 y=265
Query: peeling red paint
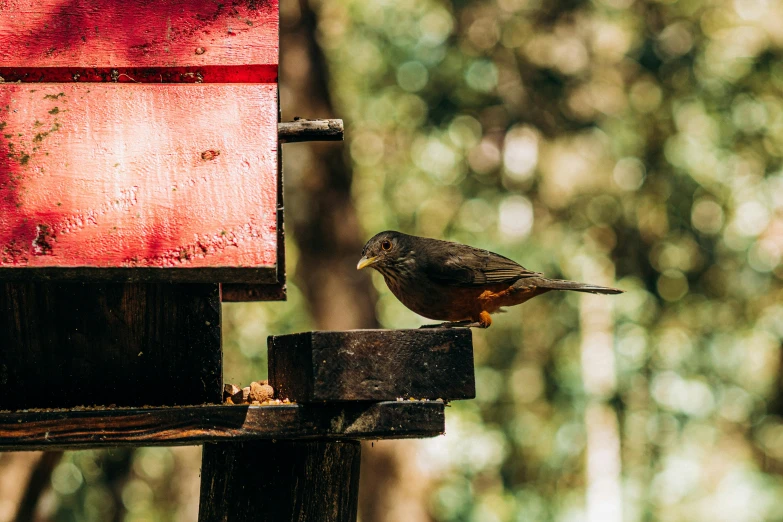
x=44 y=237
x=209 y=155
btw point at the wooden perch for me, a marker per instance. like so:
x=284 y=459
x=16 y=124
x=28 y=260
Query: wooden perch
x=372 y=365
x=310 y=130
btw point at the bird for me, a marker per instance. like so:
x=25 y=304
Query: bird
x=455 y=283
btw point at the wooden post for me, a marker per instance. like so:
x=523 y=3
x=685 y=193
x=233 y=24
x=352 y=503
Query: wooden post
x=280 y=481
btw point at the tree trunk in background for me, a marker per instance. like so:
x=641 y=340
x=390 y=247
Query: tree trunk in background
x=326 y=230
x=15 y=471
x=39 y=481
x=318 y=188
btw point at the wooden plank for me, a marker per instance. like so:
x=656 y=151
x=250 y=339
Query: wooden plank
x=138 y=33
x=75 y=344
x=284 y=481
x=138 y=177
x=189 y=425
x=373 y=365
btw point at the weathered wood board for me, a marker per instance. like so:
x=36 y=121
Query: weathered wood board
x=138 y=177
x=373 y=365
x=70 y=344
x=190 y=425
x=137 y=34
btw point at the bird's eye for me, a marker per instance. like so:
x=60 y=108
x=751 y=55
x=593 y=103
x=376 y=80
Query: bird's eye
x=386 y=245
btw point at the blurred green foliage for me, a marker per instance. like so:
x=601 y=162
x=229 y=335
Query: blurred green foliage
x=640 y=140
x=610 y=139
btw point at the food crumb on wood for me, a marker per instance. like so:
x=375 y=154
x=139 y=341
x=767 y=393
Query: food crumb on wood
x=259 y=393
x=229 y=390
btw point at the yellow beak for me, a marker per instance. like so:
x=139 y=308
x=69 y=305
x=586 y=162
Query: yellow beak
x=366 y=261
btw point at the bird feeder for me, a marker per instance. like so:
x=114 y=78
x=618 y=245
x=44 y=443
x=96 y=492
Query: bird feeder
x=140 y=182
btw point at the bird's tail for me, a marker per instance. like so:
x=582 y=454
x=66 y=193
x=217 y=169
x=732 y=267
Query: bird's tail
x=564 y=284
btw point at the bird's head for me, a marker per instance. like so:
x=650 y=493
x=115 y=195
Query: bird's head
x=387 y=252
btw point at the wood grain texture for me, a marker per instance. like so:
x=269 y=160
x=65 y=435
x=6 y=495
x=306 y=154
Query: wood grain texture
x=284 y=481
x=138 y=33
x=139 y=176
x=74 y=344
x=190 y=425
x=248 y=293
x=373 y=365
x=276 y=291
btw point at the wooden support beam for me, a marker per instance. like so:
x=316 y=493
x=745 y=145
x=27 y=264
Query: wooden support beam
x=189 y=425
x=372 y=365
x=310 y=130
x=280 y=482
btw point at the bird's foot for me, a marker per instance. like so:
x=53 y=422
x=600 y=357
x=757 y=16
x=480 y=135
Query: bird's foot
x=450 y=324
x=455 y=324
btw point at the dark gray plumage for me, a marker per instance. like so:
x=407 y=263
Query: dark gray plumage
x=455 y=282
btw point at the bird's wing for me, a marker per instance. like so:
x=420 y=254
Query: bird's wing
x=462 y=265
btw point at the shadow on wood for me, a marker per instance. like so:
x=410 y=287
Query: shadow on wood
x=280 y=481
x=74 y=344
x=301 y=130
